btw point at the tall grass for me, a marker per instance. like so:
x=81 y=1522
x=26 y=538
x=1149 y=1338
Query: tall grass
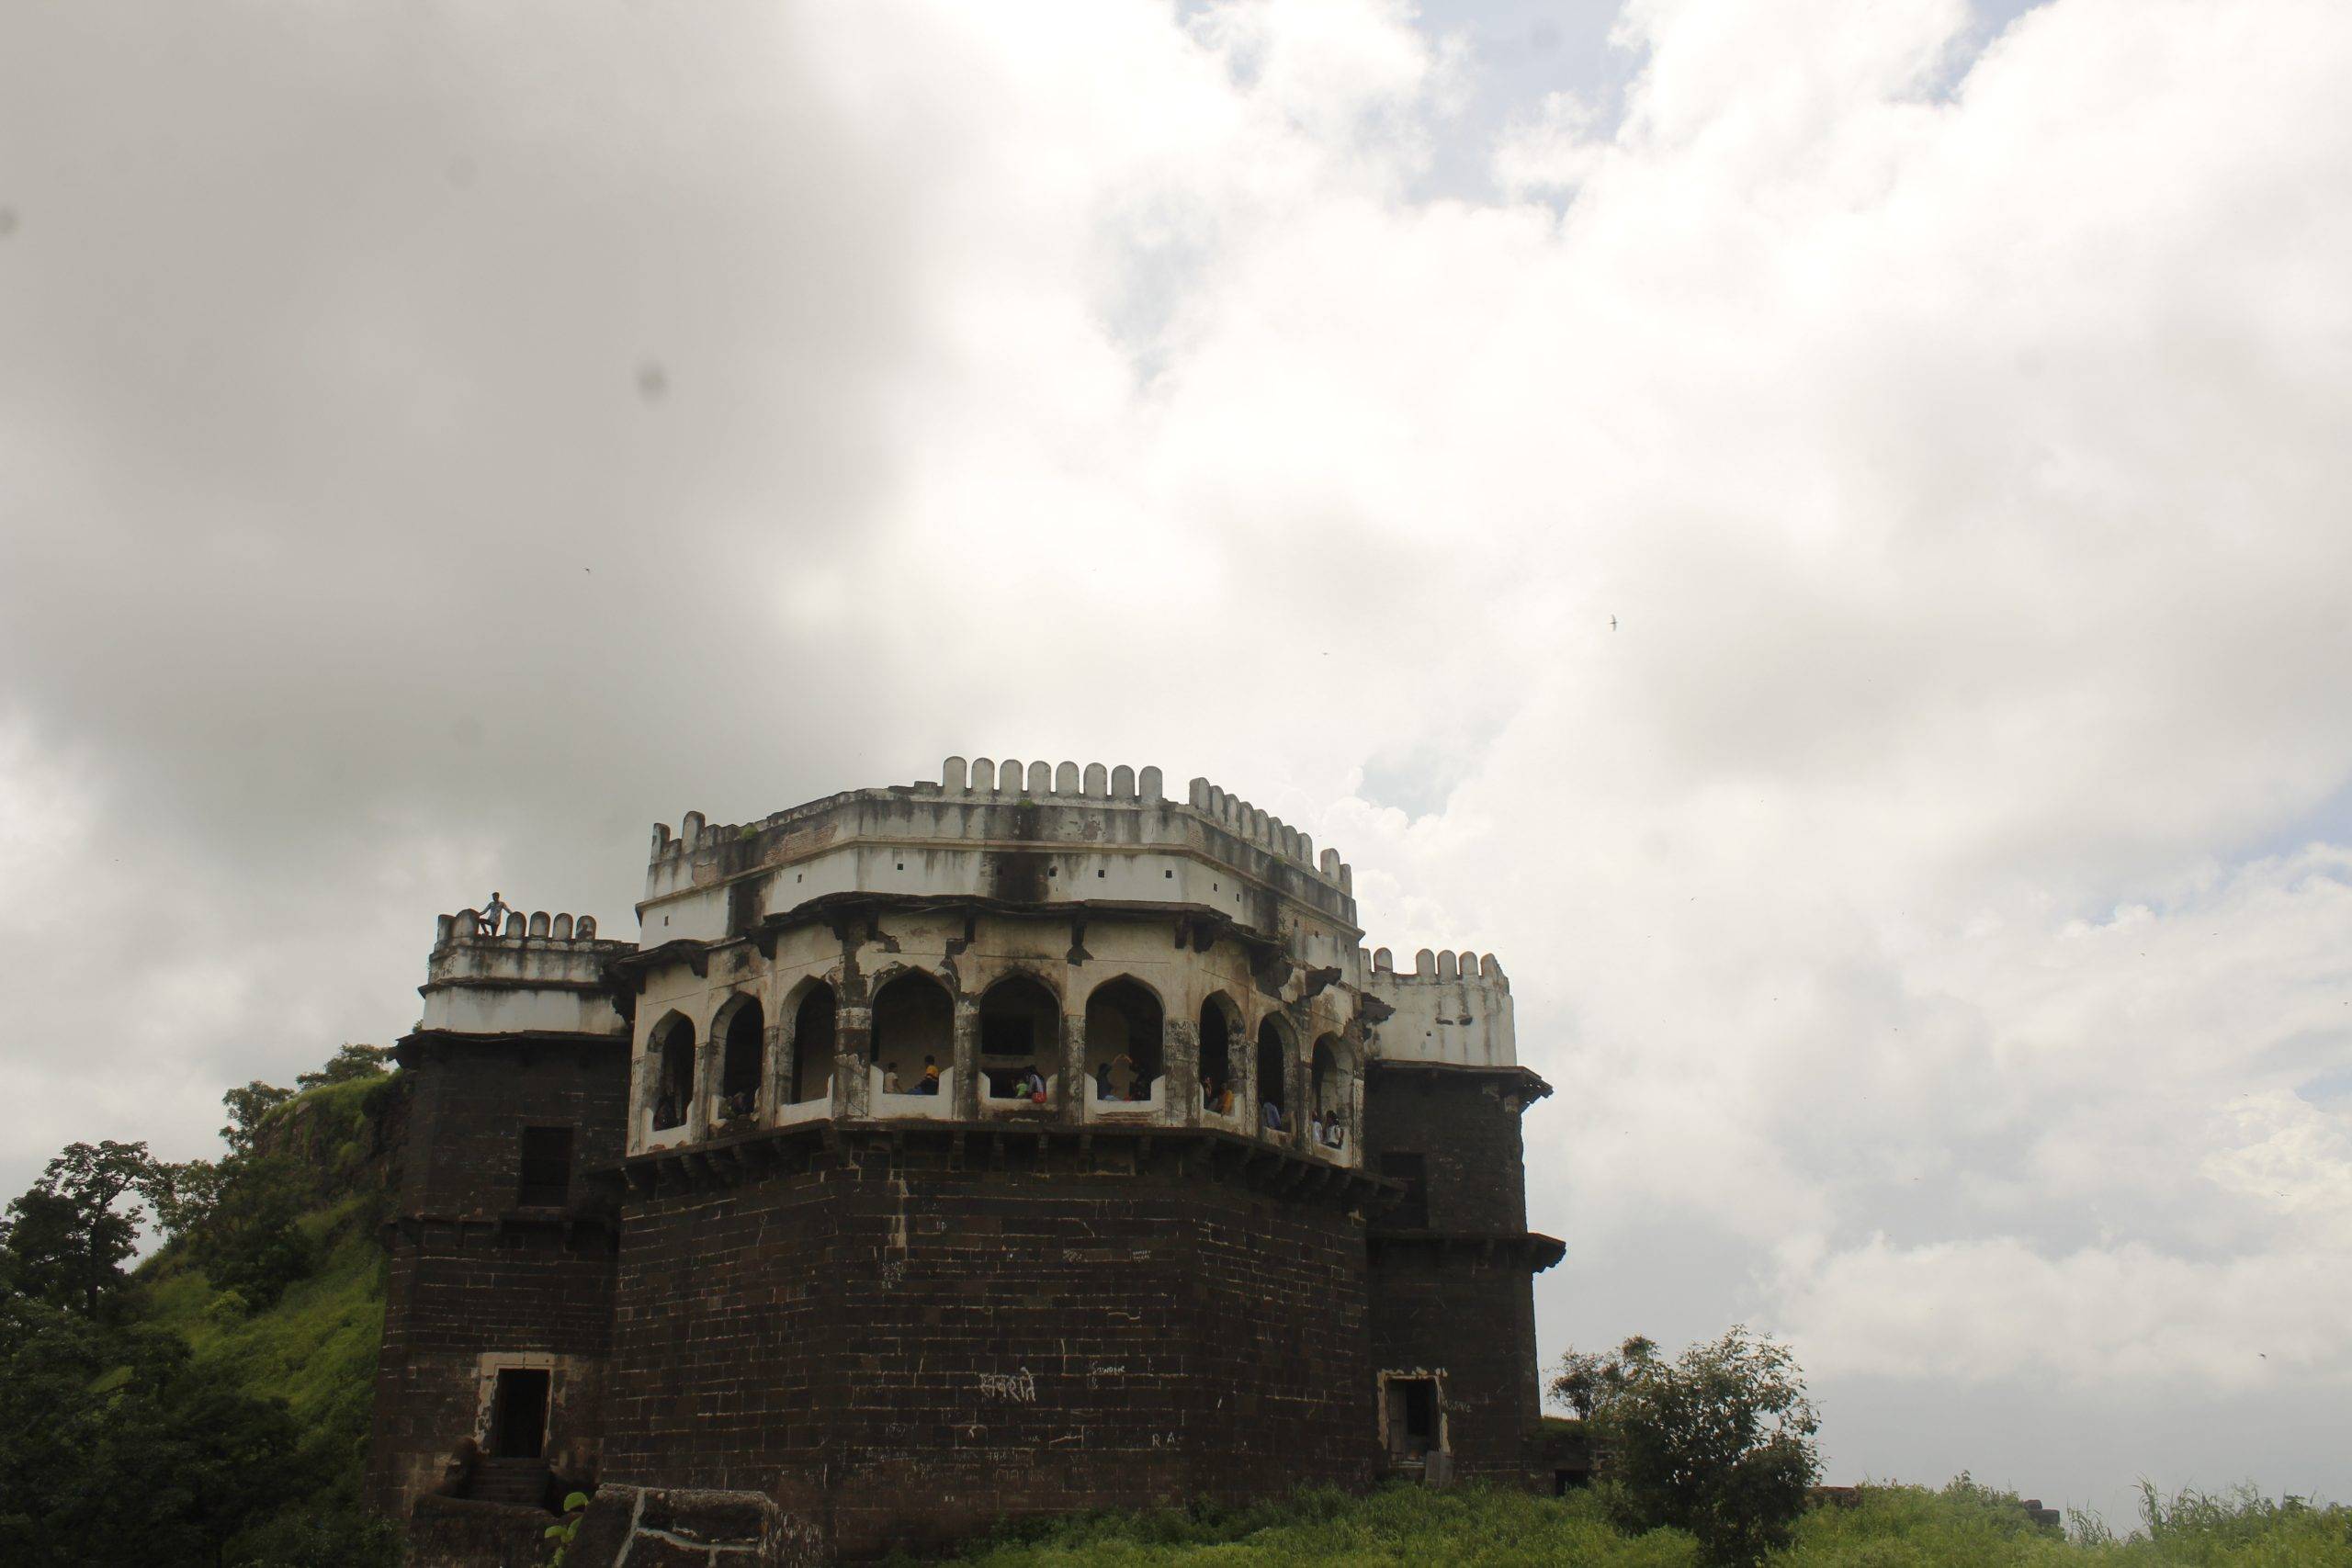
x=1399 y=1524
x=1959 y=1525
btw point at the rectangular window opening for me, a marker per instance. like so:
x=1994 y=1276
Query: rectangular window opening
x=1410 y=1212
x=546 y=1166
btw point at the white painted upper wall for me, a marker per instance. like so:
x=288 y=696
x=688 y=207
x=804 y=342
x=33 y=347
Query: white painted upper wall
x=1080 y=834
x=527 y=980
x=1100 y=833
x=1449 y=1008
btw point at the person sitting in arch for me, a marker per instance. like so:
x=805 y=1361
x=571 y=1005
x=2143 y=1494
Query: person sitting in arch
x=1102 y=1089
x=665 y=1110
x=1033 y=1083
x=890 y=1080
x=930 y=1084
x=1269 y=1115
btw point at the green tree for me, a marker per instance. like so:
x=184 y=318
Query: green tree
x=66 y=1238
x=249 y=1238
x=247 y=1108
x=117 y=1446
x=350 y=1062
x=1720 y=1441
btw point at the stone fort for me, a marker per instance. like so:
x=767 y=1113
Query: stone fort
x=1022 y=1142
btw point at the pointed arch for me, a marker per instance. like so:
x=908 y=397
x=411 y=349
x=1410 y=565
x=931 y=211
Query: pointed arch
x=1021 y=1032
x=1275 y=1047
x=1125 y=1025
x=671 y=1044
x=1220 y=1027
x=914 y=1023
x=741 y=1028
x=810 y=1072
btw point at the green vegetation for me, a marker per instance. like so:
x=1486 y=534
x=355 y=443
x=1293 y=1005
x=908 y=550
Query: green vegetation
x=213 y=1405
x=1718 y=1442
x=1959 y=1526
x=1399 y=1524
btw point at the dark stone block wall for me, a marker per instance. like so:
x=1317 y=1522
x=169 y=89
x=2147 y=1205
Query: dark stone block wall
x=1452 y=1271
x=1423 y=1296
x=903 y=1347
x=471 y=1271
x=471 y=1099
x=1464 y=1122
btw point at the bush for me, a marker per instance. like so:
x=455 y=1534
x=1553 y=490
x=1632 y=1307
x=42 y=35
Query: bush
x=1719 y=1442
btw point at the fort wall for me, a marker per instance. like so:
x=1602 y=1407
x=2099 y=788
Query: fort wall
x=481 y=1279
x=914 y=1344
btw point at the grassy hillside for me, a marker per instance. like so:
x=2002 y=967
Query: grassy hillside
x=1893 y=1527
x=315 y=1347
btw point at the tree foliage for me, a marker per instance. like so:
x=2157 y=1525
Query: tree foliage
x=248 y=1107
x=117 y=1446
x=1720 y=1441
x=119 y=1442
x=66 y=1239
x=348 y=1062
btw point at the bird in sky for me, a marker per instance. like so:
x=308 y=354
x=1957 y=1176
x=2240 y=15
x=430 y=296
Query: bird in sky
x=1612 y=622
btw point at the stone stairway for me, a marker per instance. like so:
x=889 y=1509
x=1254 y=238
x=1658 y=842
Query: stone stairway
x=521 y=1480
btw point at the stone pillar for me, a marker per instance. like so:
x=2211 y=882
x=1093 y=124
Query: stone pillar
x=773 y=1064
x=1297 y=1114
x=1180 y=1062
x=705 y=1085
x=643 y=1066
x=1073 y=1106
x=1242 y=1053
x=852 y=1044
x=968 y=1057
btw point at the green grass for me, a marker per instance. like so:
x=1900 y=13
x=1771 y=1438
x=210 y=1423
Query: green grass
x=1398 y=1525
x=1959 y=1526
x=316 y=1347
x=1912 y=1527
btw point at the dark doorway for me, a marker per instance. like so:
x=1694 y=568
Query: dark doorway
x=1412 y=1417
x=518 y=1414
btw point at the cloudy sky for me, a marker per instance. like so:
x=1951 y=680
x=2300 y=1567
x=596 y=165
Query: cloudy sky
x=1816 y=530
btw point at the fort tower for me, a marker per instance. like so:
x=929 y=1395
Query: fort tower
x=1022 y=1142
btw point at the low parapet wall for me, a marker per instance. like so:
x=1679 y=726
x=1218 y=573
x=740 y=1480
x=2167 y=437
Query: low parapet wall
x=543 y=974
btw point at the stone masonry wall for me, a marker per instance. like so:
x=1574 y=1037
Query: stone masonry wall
x=1457 y=1296
x=903 y=1348
x=1474 y=1319
x=471 y=1100
x=1463 y=1121
x=471 y=1274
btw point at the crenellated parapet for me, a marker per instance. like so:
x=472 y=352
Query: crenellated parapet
x=1021 y=833
x=1449 y=1008
x=542 y=974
